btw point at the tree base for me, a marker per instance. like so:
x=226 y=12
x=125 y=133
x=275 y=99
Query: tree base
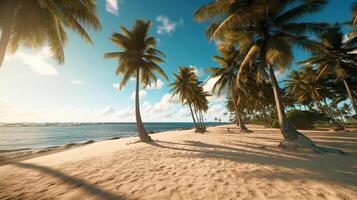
x=337 y=127
x=201 y=130
x=245 y=131
x=303 y=142
x=145 y=137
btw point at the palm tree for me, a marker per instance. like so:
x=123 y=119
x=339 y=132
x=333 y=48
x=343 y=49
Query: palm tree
x=139 y=58
x=200 y=104
x=226 y=77
x=32 y=23
x=189 y=91
x=334 y=57
x=303 y=87
x=267 y=31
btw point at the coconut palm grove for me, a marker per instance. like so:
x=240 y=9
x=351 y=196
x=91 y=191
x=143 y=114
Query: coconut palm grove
x=210 y=99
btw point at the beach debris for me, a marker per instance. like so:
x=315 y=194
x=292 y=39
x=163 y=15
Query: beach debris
x=89 y=142
x=69 y=145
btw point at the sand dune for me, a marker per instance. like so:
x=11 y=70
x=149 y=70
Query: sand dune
x=185 y=165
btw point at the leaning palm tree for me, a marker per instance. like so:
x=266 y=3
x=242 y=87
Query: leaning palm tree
x=139 y=59
x=267 y=31
x=33 y=23
x=186 y=87
x=226 y=77
x=334 y=57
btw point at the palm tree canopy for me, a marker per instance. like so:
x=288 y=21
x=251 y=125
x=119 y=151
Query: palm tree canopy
x=32 y=23
x=264 y=29
x=185 y=85
x=226 y=73
x=332 y=56
x=138 y=53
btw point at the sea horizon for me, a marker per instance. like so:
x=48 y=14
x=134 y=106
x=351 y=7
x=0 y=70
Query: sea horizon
x=38 y=135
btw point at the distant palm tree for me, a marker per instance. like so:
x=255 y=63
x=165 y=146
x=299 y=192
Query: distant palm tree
x=226 y=77
x=187 y=88
x=32 y=23
x=200 y=104
x=139 y=58
x=334 y=57
x=266 y=30
x=303 y=87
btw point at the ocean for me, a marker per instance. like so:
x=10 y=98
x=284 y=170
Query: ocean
x=42 y=135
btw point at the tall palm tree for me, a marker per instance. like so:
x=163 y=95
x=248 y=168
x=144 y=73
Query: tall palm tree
x=186 y=86
x=267 y=30
x=140 y=59
x=32 y=23
x=334 y=57
x=226 y=77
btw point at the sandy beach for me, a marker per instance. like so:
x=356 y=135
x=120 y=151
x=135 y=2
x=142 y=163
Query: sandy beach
x=186 y=165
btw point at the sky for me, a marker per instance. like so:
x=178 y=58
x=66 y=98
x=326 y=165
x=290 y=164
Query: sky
x=34 y=88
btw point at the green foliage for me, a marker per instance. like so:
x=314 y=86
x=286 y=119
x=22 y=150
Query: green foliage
x=304 y=119
x=138 y=55
x=275 y=123
x=35 y=23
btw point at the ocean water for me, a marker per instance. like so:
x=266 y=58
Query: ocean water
x=35 y=135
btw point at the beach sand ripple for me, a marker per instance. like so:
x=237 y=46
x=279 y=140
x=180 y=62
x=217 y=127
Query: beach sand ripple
x=185 y=165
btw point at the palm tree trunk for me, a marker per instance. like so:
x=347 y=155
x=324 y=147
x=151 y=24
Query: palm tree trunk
x=236 y=111
x=334 y=123
x=292 y=138
x=242 y=126
x=197 y=118
x=143 y=135
x=6 y=29
x=193 y=117
x=202 y=120
x=286 y=130
x=240 y=122
x=352 y=99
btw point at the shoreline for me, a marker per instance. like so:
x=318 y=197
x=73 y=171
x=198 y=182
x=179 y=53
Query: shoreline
x=17 y=155
x=22 y=154
x=185 y=165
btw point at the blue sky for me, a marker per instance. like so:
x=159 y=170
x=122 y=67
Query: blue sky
x=33 y=88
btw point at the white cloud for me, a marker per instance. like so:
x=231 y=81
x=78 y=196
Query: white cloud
x=208 y=86
x=79 y=82
x=116 y=86
x=156 y=86
x=216 y=111
x=197 y=71
x=112 y=6
x=166 y=26
x=167 y=109
x=38 y=62
x=142 y=93
x=107 y=111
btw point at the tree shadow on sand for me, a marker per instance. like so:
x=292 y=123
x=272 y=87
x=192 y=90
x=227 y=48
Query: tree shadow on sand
x=70 y=180
x=315 y=166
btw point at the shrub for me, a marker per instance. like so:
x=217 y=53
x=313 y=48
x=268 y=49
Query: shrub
x=275 y=123
x=304 y=119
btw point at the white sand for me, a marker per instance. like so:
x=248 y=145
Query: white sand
x=185 y=165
